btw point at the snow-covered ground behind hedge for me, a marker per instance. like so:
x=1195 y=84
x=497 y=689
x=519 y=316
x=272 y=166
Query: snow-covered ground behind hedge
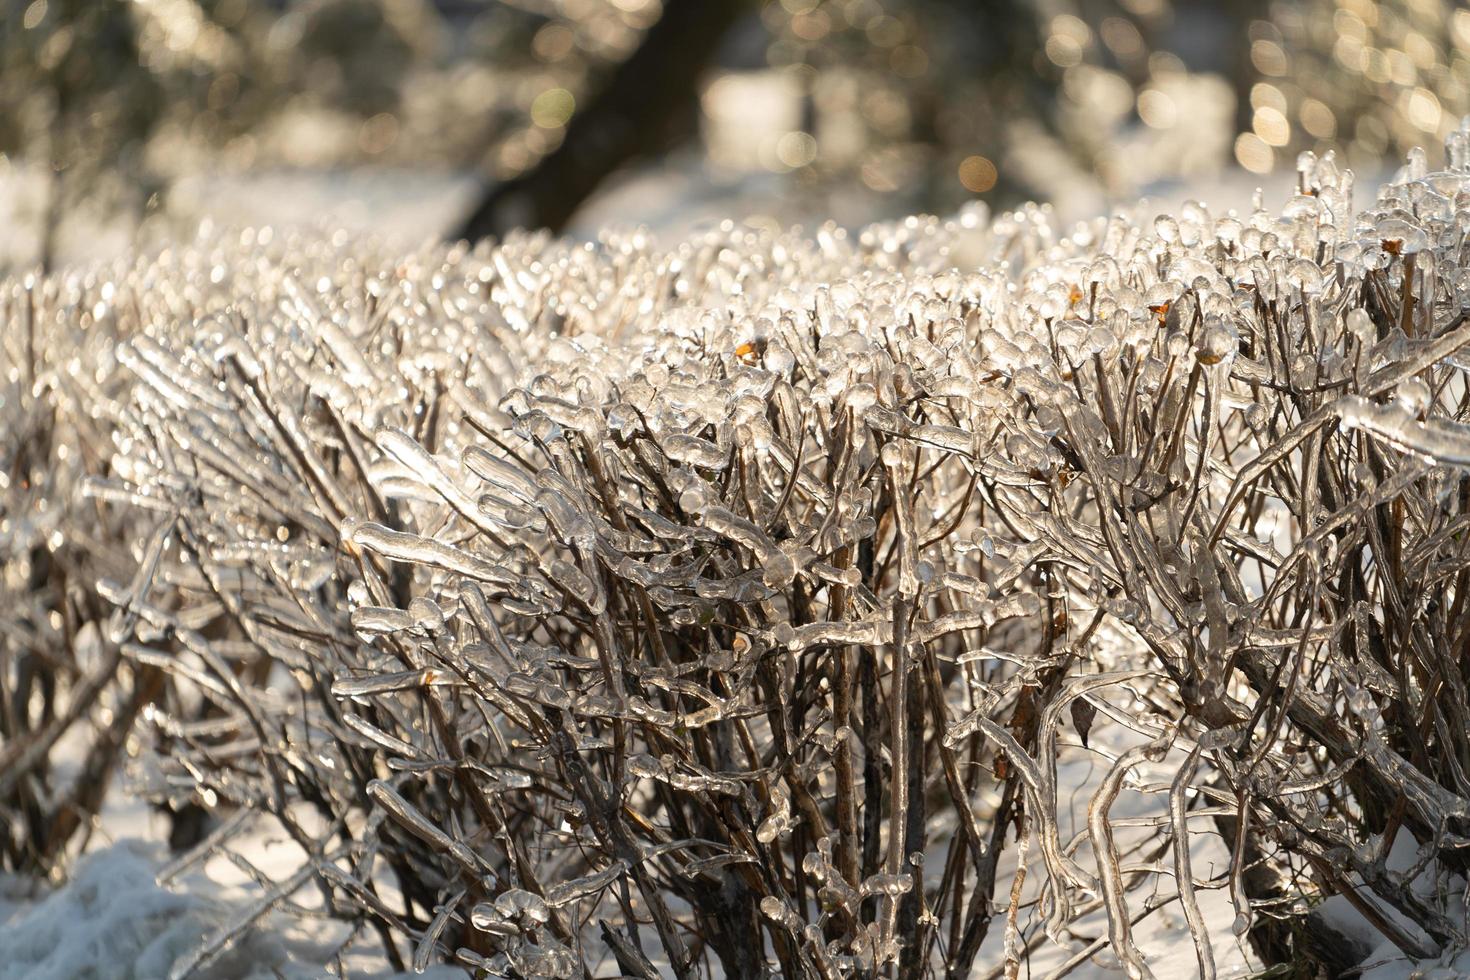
x=671 y=198
x=114 y=920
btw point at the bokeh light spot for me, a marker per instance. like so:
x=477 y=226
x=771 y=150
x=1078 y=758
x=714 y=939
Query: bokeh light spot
x=1269 y=58
x=1157 y=110
x=977 y=174
x=1318 y=120
x=796 y=149
x=553 y=108
x=909 y=61
x=1252 y=153
x=1271 y=125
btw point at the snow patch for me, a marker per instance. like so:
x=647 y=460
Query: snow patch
x=113 y=921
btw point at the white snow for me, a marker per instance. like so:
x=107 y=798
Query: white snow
x=111 y=920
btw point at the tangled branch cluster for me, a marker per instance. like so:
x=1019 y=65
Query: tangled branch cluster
x=731 y=607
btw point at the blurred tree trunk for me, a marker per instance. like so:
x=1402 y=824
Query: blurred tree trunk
x=648 y=103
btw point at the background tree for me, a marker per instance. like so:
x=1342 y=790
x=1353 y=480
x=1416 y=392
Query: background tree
x=921 y=104
x=75 y=97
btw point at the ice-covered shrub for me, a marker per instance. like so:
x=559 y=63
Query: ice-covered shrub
x=60 y=684
x=742 y=604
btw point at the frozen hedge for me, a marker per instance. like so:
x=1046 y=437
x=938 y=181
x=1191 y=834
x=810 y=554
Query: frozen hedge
x=730 y=607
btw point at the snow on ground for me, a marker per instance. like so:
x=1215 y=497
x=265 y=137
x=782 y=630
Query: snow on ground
x=113 y=921
x=113 y=918
x=671 y=197
x=1387 y=963
x=1162 y=935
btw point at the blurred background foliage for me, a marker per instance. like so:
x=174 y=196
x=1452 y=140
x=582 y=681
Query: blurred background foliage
x=856 y=108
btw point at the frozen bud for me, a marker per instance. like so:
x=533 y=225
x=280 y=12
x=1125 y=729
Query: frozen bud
x=426 y=614
x=1217 y=343
x=861 y=397
x=1399 y=237
x=775 y=909
x=693 y=500
x=1304 y=275
x=1083 y=713
x=777 y=569
x=1413 y=395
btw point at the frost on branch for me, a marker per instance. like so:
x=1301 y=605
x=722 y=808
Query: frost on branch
x=743 y=603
